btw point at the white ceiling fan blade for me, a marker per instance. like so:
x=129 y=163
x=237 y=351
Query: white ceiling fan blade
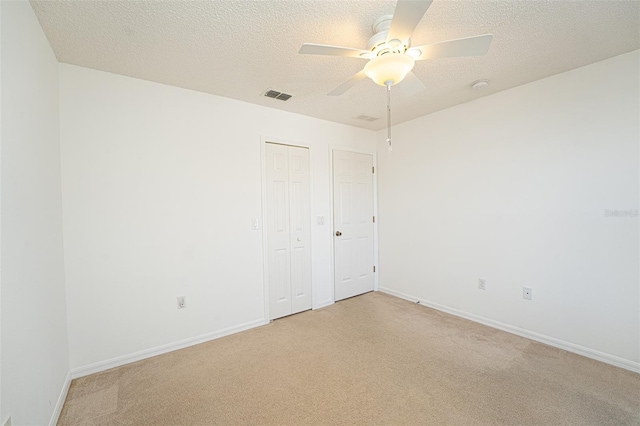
x=469 y=46
x=323 y=49
x=348 y=84
x=411 y=85
x=406 y=17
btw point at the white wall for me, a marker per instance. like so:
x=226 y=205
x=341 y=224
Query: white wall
x=34 y=360
x=160 y=185
x=513 y=188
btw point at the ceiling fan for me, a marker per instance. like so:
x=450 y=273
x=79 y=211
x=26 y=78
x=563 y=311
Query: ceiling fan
x=391 y=57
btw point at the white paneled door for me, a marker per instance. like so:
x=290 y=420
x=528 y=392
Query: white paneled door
x=353 y=223
x=288 y=229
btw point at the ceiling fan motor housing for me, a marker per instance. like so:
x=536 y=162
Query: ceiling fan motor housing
x=378 y=42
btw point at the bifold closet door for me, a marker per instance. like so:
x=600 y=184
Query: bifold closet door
x=288 y=229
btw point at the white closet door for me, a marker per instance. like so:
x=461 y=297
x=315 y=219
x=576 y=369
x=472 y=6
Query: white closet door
x=300 y=229
x=288 y=229
x=353 y=223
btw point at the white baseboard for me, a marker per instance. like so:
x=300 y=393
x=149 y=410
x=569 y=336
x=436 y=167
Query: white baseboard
x=60 y=403
x=324 y=304
x=551 y=341
x=159 y=350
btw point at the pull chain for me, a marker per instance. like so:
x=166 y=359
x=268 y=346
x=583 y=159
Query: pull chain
x=388 y=84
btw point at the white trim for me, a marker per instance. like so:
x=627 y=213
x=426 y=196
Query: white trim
x=373 y=151
x=324 y=304
x=60 y=403
x=376 y=262
x=263 y=206
x=551 y=341
x=159 y=350
x=332 y=228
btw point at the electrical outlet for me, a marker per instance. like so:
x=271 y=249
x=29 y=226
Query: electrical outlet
x=182 y=302
x=527 y=293
x=482 y=284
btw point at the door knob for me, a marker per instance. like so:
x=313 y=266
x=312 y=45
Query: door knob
x=338 y=233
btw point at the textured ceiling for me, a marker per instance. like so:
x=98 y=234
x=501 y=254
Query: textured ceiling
x=239 y=49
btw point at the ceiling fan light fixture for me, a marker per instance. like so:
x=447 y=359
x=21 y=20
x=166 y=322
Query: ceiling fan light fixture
x=389 y=68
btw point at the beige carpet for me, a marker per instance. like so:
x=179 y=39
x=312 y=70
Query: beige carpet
x=373 y=359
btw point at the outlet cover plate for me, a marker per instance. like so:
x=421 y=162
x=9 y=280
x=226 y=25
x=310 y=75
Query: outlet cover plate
x=527 y=293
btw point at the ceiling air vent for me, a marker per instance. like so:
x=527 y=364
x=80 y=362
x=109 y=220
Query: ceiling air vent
x=366 y=118
x=277 y=95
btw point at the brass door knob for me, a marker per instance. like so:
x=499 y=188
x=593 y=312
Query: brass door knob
x=338 y=233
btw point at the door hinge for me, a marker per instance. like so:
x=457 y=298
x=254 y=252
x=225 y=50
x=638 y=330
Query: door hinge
x=374 y=219
x=373 y=169
x=374 y=269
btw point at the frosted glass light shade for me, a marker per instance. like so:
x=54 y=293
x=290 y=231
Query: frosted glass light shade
x=391 y=67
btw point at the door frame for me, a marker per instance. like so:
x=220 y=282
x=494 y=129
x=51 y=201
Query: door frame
x=263 y=180
x=373 y=152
